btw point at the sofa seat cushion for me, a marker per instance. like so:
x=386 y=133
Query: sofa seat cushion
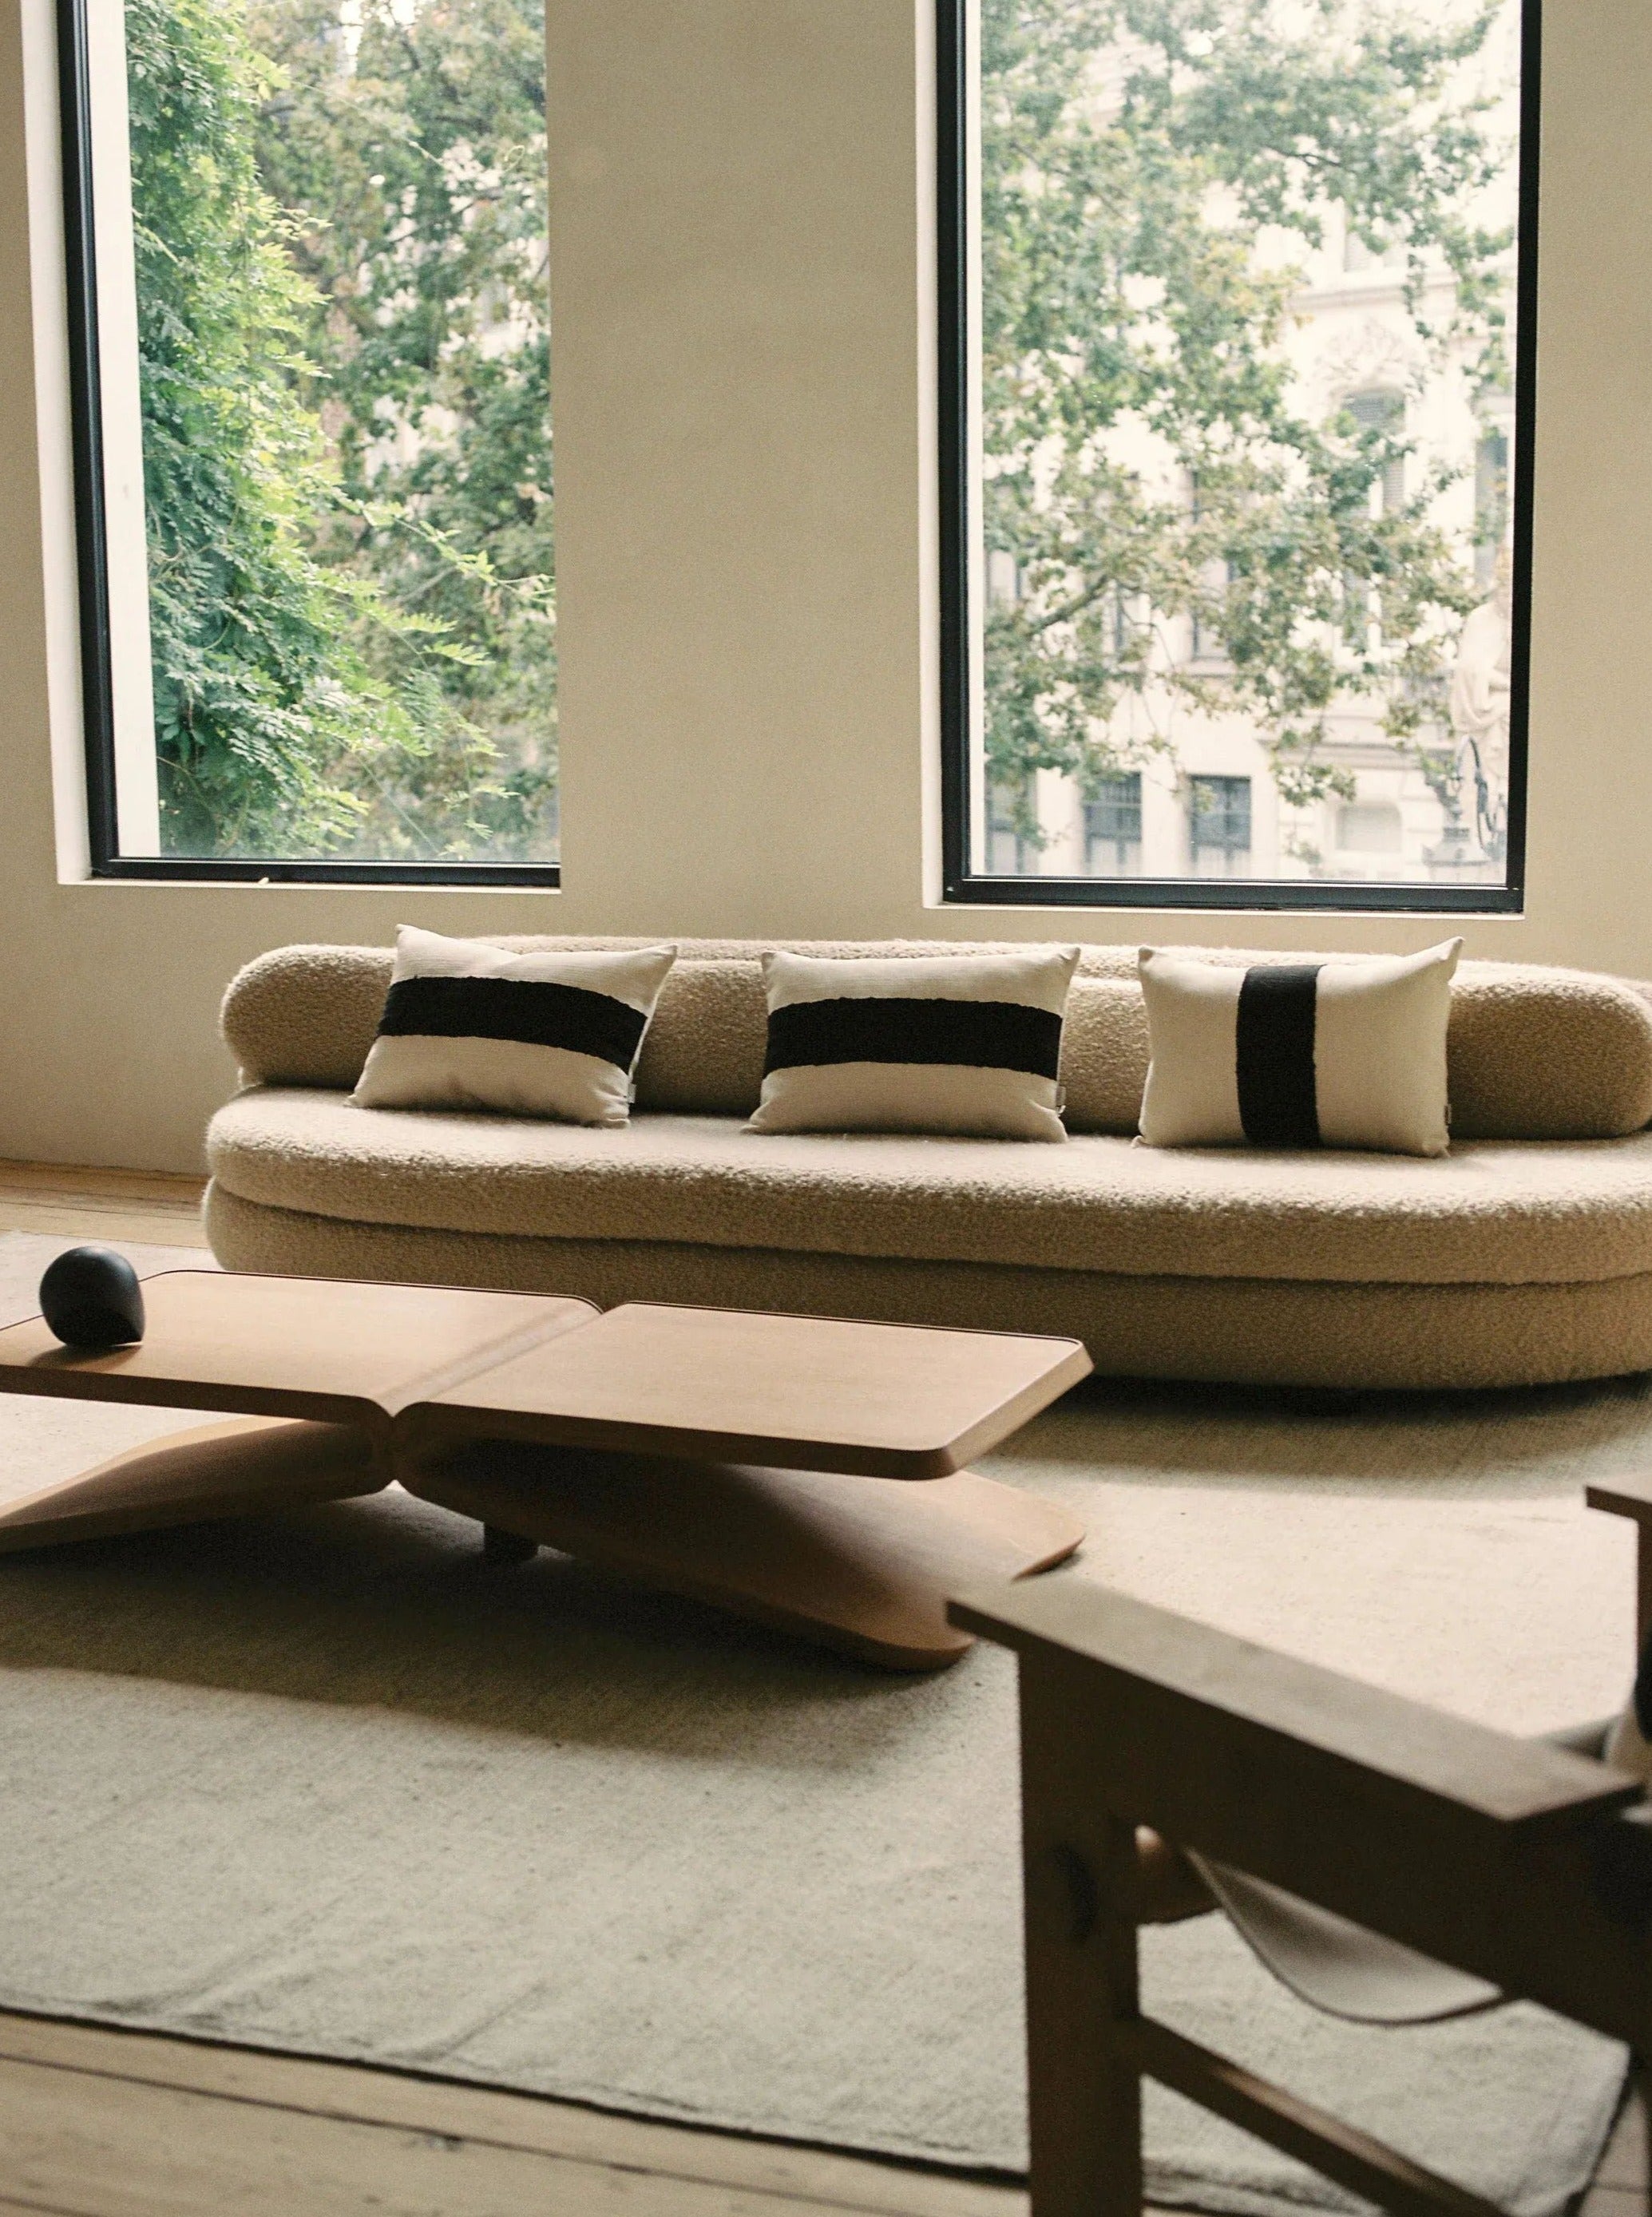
x=1509 y=1212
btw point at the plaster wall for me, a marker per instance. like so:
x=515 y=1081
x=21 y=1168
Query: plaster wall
x=739 y=250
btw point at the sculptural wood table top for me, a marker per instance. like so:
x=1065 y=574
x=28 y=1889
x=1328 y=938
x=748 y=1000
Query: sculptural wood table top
x=743 y=1457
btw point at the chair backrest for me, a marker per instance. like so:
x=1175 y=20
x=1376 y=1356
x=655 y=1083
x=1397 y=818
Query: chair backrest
x=1517 y=1861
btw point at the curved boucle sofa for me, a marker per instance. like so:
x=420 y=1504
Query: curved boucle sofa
x=1525 y=1256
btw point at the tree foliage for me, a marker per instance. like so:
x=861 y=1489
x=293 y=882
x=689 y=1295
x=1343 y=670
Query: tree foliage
x=414 y=161
x=345 y=390
x=281 y=682
x=1153 y=173
x=341 y=239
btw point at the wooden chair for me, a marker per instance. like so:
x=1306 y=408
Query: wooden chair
x=1516 y=1860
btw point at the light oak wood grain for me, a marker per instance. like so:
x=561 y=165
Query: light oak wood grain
x=862 y=1564
x=1341 y=2151
x=1518 y=1862
x=58 y=1202
x=1410 y=1756
x=832 y=1552
x=237 y=1468
x=335 y=1350
x=804 y=1392
x=122 y=2142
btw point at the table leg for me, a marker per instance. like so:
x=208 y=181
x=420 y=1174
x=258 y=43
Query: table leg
x=863 y=1565
x=239 y=1466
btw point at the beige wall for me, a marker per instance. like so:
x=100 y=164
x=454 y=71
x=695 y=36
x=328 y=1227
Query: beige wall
x=738 y=254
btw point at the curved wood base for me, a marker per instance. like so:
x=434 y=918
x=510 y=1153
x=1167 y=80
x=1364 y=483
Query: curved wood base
x=240 y=1469
x=862 y=1564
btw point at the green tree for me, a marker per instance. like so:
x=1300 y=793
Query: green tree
x=1134 y=152
x=282 y=684
x=410 y=150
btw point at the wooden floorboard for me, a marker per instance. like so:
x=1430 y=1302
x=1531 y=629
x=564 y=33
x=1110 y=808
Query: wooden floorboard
x=93 y=1204
x=96 y=2122
x=151 y=2095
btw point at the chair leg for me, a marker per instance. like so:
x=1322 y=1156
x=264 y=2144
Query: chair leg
x=1083 y=2095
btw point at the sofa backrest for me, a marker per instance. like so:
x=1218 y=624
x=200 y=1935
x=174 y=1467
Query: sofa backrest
x=1534 y=1053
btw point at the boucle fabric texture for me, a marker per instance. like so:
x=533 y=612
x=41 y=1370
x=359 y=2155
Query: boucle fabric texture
x=1306 y=1055
x=1505 y=1263
x=1245 y=1330
x=964 y=1044
x=1533 y=1052
x=1506 y=1213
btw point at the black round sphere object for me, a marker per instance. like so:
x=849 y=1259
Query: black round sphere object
x=90 y=1296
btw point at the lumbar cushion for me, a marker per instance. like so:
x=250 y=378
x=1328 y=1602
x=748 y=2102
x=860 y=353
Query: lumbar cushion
x=466 y=1025
x=1298 y=1054
x=966 y=1044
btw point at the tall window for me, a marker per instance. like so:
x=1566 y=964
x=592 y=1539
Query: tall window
x=1236 y=354
x=310 y=334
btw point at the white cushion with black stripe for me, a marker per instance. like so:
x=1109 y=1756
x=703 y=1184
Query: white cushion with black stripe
x=1344 y=1053
x=968 y=1044
x=466 y=1025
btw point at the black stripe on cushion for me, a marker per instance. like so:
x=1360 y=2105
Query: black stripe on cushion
x=533 y=1010
x=979 y=1035
x=1276 y=1104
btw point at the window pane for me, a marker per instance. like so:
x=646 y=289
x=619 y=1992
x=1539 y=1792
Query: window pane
x=333 y=389
x=1246 y=334
x=1011 y=812
x=1112 y=827
x=1219 y=824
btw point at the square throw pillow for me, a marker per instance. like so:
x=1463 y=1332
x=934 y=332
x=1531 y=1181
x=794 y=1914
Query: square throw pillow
x=1298 y=1054
x=968 y=1044
x=470 y=1026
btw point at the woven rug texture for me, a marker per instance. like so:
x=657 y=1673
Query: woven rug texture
x=322 y=1783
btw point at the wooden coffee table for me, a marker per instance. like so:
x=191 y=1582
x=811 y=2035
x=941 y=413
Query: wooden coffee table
x=762 y=1463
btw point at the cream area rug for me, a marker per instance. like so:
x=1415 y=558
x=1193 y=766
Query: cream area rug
x=322 y=1783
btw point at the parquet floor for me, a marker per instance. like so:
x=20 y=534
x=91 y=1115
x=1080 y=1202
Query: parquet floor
x=100 y=2123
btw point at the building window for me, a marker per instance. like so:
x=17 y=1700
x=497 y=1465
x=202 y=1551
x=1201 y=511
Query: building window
x=1383 y=412
x=1359 y=252
x=1369 y=828
x=1112 y=826
x=1012 y=846
x=1303 y=610
x=310 y=345
x=1219 y=826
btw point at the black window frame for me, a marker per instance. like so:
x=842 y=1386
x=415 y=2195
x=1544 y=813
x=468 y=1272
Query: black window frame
x=91 y=560
x=960 y=883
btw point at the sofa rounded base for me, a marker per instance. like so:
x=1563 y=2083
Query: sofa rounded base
x=1235 y=1331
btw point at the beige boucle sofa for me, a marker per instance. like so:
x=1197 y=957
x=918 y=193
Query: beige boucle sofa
x=1526 y=1255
